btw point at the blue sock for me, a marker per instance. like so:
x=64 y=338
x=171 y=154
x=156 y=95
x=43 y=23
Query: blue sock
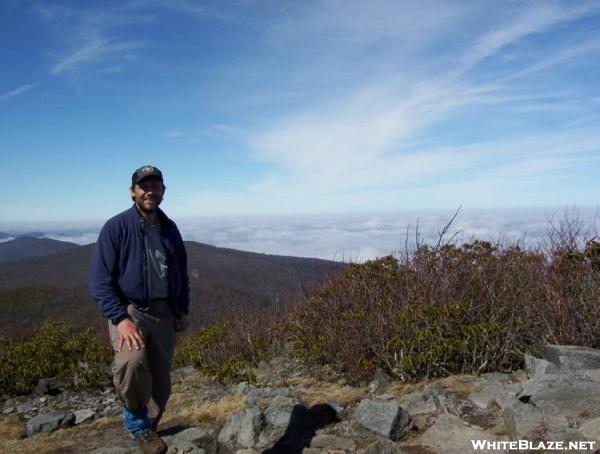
x=136 y=421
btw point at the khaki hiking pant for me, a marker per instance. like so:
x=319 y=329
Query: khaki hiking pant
x=142 y=377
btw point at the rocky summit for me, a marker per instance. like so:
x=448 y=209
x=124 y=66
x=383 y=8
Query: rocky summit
x=550 y=406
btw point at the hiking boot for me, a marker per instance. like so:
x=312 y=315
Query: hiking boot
x=149 y=442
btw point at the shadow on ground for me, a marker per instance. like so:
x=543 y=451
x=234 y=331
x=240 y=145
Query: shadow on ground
x=303 y=426
x=174 y=430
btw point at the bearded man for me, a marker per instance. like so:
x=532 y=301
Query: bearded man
x=139 y=281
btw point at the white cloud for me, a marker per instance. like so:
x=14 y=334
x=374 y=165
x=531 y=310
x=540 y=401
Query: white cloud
x=92 y=37
x=95 y=51
x=363 y=237
x=374 y=135
x=534 y=18
x=340 y=237
x=16 y=92
x=560 y=56
x=200 y=10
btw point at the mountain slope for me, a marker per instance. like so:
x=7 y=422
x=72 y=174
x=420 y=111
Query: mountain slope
x=221 y=280
x=27 y=246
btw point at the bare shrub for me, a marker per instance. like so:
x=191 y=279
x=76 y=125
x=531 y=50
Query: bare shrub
x=229 y=350
x=432 y=311
x=446 y=309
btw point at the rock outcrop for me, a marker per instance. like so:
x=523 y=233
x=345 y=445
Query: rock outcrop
x=556 y=398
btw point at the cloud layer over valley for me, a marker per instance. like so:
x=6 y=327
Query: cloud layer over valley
x=345 y=237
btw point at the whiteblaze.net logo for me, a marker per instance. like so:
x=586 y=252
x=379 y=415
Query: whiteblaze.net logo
x=484 y=445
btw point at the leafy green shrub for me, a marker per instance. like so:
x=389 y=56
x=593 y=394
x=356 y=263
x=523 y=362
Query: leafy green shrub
x=81 y=358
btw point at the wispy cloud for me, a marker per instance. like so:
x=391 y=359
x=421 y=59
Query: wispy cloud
x=93 y=37
x=16 y=92
x=532 y=19
x=93 y=52
x=375 y=135
x=200 y=10
x=561 y=56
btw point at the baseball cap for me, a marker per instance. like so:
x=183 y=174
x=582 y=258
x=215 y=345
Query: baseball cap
x=144 y=172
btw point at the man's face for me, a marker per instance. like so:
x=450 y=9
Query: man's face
x=148 y=193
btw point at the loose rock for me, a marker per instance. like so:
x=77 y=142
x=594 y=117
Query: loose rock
x=49 y=422
x=384 y=418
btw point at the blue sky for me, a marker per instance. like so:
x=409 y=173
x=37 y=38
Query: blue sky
x=278 y=108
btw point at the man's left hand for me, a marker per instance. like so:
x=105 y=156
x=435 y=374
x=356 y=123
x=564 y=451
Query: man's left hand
x=181 y=323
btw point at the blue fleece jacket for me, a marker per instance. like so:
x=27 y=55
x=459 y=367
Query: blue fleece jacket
x=119 y=270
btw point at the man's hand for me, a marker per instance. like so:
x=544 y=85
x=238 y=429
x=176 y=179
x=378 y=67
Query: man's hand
x=181 y=323
x=129 y=335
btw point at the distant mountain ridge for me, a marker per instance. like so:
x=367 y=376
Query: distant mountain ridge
x=221 y=280
x=27 y=246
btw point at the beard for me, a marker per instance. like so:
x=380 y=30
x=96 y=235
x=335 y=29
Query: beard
x=148 y=206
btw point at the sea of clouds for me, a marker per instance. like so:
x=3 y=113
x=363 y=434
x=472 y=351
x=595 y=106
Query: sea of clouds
x=355 y=238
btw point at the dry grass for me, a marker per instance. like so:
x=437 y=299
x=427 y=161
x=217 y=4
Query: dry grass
x=185 y=408
x=459 y=384
x=299 y=381
x=332 y=392
x=11 y=427
x=84 y=438
x=398 y=389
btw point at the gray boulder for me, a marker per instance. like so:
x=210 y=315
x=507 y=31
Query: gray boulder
x=528 y=422
x=591 y=430
x=384 y=447
x=194 y=437
x=383 y=418
x=242 y=388
x=83 y=415
x=185 y=448
x=444 y=401
x=277 y=419
x=256 y=394
x=332 y=442
x=450 y=434
x=418 y=403
x=49 y=422
x=572 y=357
x=536 y=367
x=570 y=395
x=26 y=407
x=279 y=411
x=495 y=389
x=251 y=425
x=524 y=422
x=231 y=428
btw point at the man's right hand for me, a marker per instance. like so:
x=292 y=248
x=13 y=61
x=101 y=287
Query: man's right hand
x=129 y=335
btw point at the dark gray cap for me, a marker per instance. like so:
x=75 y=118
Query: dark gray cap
x=144 y=172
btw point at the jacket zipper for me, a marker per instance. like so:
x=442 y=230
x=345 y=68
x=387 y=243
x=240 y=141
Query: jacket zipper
x=147 y=262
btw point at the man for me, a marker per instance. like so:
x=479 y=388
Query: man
x=139 y=281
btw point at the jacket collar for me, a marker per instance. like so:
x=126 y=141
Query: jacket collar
x=164 y=221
